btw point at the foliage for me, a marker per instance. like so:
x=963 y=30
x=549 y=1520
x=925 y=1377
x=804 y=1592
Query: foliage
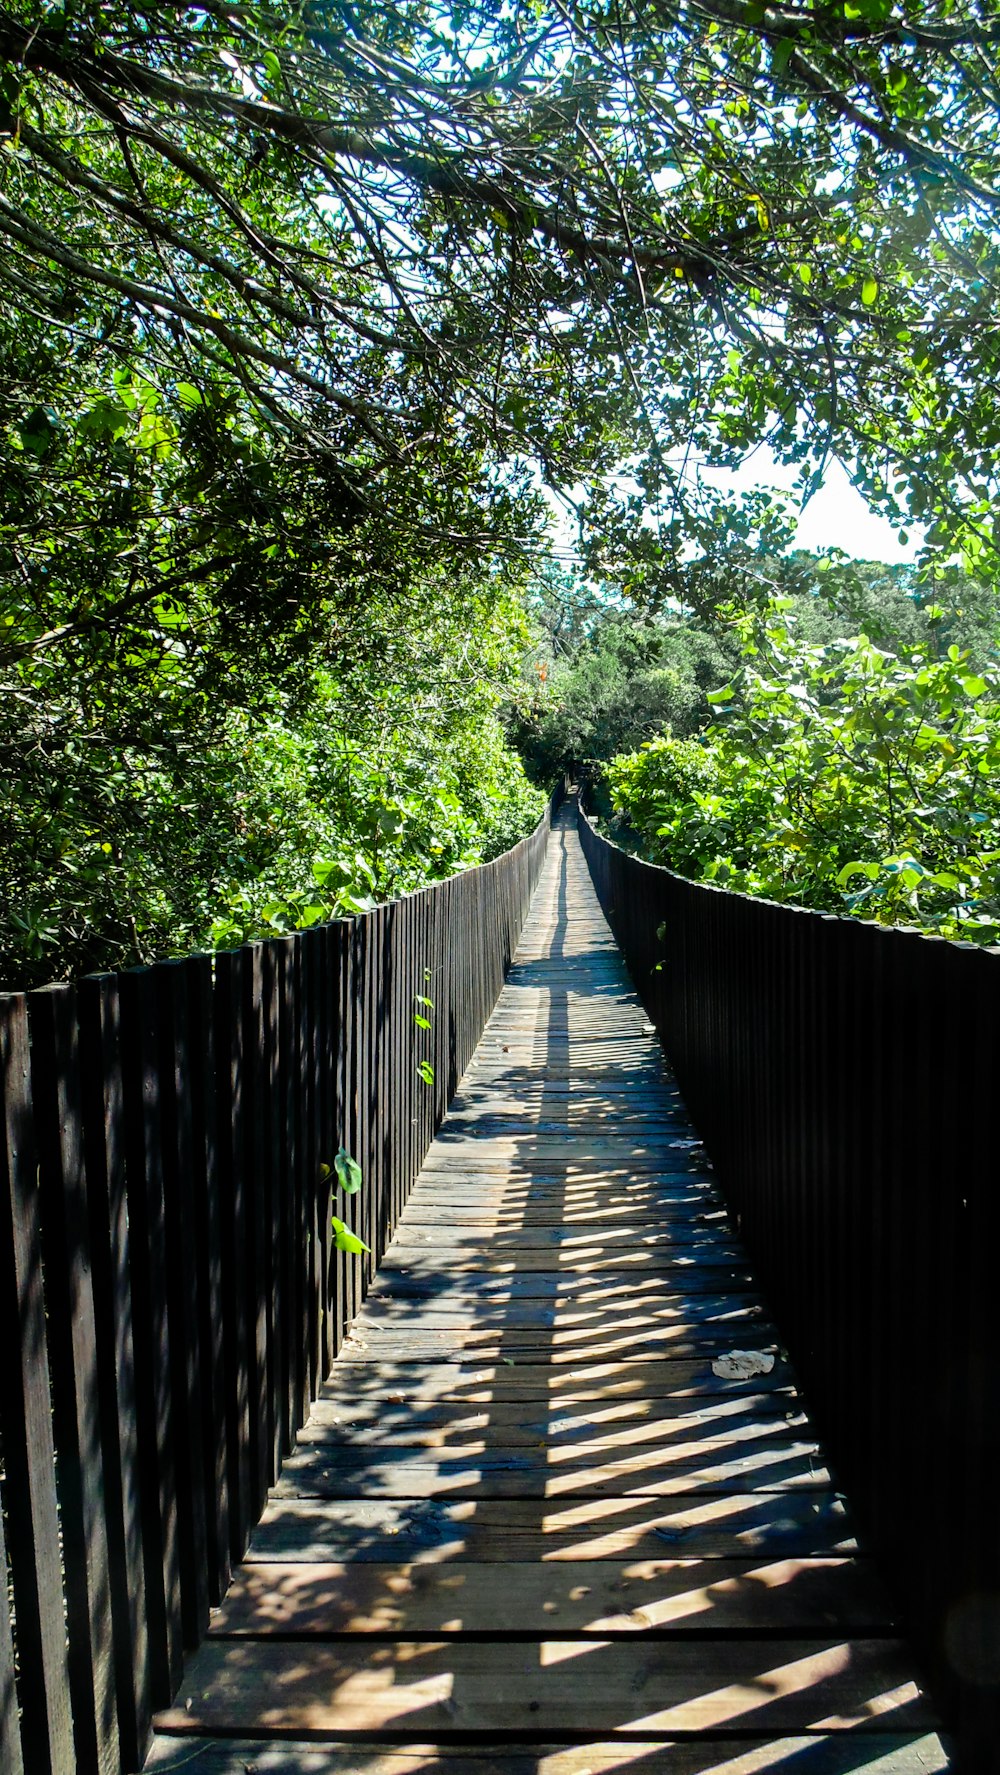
x=583 y=236
x=231 y=701
x=601 y=678
x=629 y=676
x=348 y=1174
x=839 y=777
x=299 y=310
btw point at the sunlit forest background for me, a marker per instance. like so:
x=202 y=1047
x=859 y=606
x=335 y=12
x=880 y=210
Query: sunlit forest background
x=369 y=382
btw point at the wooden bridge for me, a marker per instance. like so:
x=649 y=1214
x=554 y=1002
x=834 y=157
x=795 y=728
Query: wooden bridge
x=558 y=1507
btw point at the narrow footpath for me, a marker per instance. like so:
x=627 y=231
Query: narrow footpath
x=559 y=1510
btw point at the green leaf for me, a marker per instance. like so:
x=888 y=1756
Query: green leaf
x=348 y=1172
x=39 y=431
x=425 y=1071
x=421 y=1022
x=870 y=870
x=974 y=686
x=869 y=291
x=345 y=1240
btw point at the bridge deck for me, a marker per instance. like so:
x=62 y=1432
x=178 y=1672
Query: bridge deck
x=531 y=1526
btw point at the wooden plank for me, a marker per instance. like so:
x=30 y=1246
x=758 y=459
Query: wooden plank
x=26 y=1423
x=473 y=1287
x=399 y=1419
x=839 y=1753
x=622 y=1245
x=779 y=1464
x=568 y=1241
x=681 y=1195
x=593 y=1597
x=498 y=1530
x=638 y=1217
x=591 y=1258
x=637 y=1377
x=428 y=1687
x=674 y=1305
x=517 y=1167
x=525 y=1433
x=745 y=1331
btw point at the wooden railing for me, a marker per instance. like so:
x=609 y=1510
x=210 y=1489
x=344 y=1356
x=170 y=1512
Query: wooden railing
x=846 y=1081
x=171 y=1295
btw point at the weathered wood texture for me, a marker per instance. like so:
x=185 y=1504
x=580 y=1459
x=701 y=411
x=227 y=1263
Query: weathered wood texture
x=532 y=1523
x=170 y=1294
x=844 y=1078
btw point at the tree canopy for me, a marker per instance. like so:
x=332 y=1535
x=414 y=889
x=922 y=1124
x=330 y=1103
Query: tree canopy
x=838 y=776
x=303 y=308
x=591 y=237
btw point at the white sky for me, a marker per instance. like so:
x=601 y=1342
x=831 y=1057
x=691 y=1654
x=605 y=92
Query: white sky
x=836 y=517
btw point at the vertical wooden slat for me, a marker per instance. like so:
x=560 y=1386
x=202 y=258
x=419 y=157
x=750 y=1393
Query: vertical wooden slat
x=150 y=1330
x=383 y=1084
x=101 y=1099
x=303 y=1190
x=331 y=1062
x=352 y=1210
x=25 y=1422
x=370 y=1031
x=347 y=1132
x=182 y=1292
x=267 y=1124
x=284 y=1195
x=256 y=1171
x=230 y=1172
x=311 y=962
x=11 y=1760
x=74 y=1369
x=205 y=1236
x=272 y=1136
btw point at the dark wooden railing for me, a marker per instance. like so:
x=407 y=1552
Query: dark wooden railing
x=845 y=1079
x=171 y=1296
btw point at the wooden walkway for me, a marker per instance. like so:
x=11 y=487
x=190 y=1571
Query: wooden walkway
x=534 y=1525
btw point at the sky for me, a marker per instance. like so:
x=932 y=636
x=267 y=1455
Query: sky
x=836 y=517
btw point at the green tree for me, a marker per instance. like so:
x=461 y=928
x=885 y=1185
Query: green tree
x=837 y=776
x=230 y=694
x=582 y=236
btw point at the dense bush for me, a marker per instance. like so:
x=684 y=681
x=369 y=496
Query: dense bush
x=838 y=776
